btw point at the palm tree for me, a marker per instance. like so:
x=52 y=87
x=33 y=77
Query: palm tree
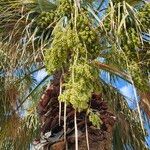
x=78 y=109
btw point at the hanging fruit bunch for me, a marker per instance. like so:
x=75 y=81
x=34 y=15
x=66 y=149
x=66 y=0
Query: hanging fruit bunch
x=73 y=99
x=128 y=24
x=45 y=19
x=64 y=9
x=73 y=48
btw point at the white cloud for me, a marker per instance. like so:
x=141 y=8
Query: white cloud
x=41 y=74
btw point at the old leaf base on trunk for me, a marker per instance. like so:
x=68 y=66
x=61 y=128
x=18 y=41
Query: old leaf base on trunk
x=52 y=130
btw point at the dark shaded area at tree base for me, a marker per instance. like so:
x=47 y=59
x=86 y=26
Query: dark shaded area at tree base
x=94 y=145
x=48 y=109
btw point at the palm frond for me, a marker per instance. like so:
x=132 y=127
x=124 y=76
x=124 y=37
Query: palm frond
x=124 y=132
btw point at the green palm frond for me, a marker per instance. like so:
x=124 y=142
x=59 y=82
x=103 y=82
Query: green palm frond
x=26 y=127
x=128 y=129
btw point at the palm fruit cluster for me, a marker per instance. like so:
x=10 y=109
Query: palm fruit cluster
x=65 y=45
x=144 y=16
x=56 y=56
x=45 y=19
x=66 y=42
x=53 y=131
x=88 y=35
x=78 y=89
x=130 y=45
x=72 y=48
x=131 y=42
x=64 y=9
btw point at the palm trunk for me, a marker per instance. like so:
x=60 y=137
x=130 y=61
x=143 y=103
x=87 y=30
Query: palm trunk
x=52 y=127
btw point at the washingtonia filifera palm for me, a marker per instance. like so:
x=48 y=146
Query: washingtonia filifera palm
x=68 y=38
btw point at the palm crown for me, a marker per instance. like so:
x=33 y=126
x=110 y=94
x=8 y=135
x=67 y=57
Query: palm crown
x=70 y=38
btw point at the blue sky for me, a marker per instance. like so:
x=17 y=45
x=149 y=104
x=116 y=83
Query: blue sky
x=124 y=87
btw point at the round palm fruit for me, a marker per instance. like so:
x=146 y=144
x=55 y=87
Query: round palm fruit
x=64 y=9
x=45 y=19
